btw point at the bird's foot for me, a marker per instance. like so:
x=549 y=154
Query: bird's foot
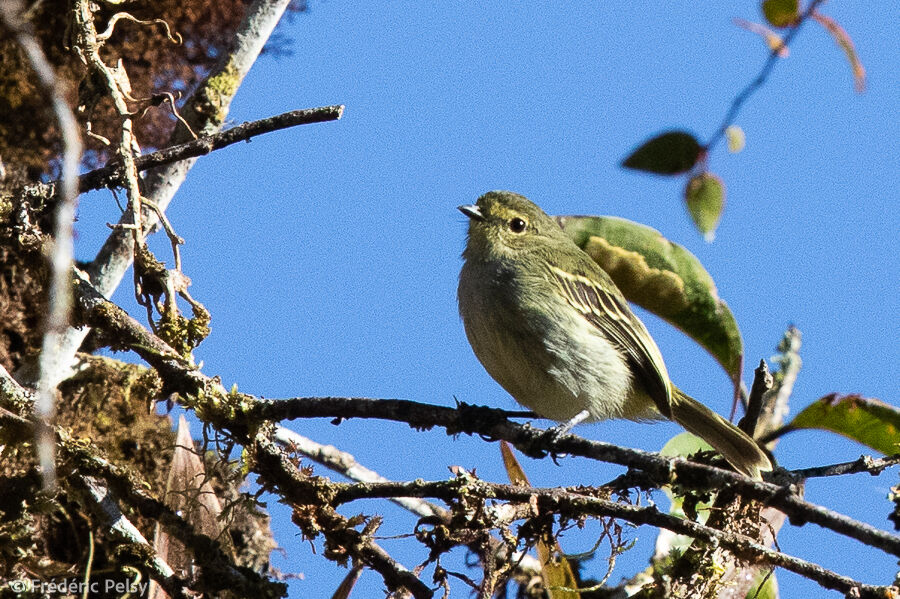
x=538 y=448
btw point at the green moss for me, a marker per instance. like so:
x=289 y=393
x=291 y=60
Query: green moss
x=182 y=333
x=214 y=97
x=6 y=208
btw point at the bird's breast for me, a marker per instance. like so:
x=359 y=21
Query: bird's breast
x=542 y=351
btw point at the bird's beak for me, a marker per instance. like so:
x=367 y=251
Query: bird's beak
x=472 y=211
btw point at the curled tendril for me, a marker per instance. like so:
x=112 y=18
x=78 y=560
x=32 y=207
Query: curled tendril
x=124 y=15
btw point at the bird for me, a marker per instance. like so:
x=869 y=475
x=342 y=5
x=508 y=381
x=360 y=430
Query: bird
x=554 y=330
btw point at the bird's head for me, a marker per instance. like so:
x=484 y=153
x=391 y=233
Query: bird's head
x=503 y=224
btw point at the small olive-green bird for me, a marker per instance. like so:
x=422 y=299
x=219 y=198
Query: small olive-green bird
x=553 y=329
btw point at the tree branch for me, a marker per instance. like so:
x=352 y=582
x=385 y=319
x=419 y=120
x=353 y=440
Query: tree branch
x=574 y=500
x=92 y=309
x=525 y=565
x=97 y=498
x=865 y=463
x=104 y=485
x=492 y=424
x=108 y=175
x=276 y=468
x=240 y=413
x=345 y=464
x=218 y=569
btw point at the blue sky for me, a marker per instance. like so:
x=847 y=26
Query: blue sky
x=328 y=254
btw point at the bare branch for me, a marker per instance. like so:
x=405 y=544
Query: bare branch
x=104 y=485
x=526 y=565
x=873 y=466
x=105 y=509
x=93 y=309
x=220 y=571
x=118 y=88
x=110 y=27
x=486 y=422
x=205 y=111
x=108 y=175
x=346 y=464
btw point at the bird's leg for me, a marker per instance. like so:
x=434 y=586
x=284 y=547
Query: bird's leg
x=562 y=428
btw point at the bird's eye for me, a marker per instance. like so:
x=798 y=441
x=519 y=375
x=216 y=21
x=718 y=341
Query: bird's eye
x=517 y=225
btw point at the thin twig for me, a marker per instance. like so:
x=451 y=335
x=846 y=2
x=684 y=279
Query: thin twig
x=760 y=79
x=346 y=464
x=52 y=362
x=174 y=239
x=110 y=27
x=873 y=466
x=88 y=43
x=107 y=175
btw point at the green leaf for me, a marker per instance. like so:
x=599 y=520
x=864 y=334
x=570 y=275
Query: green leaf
x=781 y=13
x=669 y=153
x=764 y=587
x=868 y=421
x=664 y=278
x=681 y=445
x=684 y=445
x=704 y=195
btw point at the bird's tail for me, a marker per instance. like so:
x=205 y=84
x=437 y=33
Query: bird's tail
x=739 y=449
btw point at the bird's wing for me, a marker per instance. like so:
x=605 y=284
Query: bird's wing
x=609 y=312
